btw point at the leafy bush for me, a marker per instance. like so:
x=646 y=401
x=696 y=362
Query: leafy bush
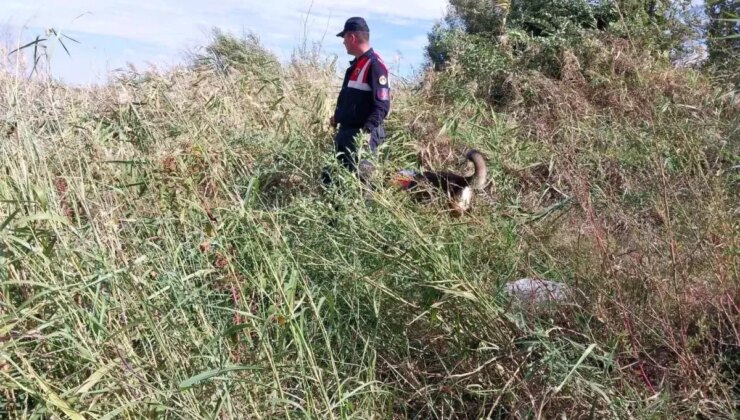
x=723 y=43
x=656 y=27
x=226 y=53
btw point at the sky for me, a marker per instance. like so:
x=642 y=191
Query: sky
x=157 y=33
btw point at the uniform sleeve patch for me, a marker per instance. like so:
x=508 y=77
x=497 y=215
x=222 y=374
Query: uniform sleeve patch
x=383 y=94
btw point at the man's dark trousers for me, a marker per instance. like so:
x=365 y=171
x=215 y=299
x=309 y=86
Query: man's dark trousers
x=346 y=148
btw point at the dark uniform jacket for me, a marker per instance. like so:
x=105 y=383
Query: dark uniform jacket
x=364 y=100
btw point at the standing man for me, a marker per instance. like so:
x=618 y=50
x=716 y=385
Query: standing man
x=364 y=100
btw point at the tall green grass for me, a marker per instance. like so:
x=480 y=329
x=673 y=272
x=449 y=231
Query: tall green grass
x=168 y=251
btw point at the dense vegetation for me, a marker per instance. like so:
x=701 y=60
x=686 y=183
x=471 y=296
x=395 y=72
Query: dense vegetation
x=166 y=251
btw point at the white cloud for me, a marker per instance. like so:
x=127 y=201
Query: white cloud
x=170 y=26
x=417 y=42
x=173 y=23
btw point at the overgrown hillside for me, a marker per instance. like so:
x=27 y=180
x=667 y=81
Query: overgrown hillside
x=167 y=248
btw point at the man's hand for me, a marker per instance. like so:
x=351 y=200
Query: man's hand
x=363 y=140
x=332 y=122
x=364 y=137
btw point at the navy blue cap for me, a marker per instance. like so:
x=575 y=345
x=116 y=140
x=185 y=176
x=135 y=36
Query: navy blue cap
x=354 y=24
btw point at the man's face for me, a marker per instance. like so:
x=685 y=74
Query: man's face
x=349 y=42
